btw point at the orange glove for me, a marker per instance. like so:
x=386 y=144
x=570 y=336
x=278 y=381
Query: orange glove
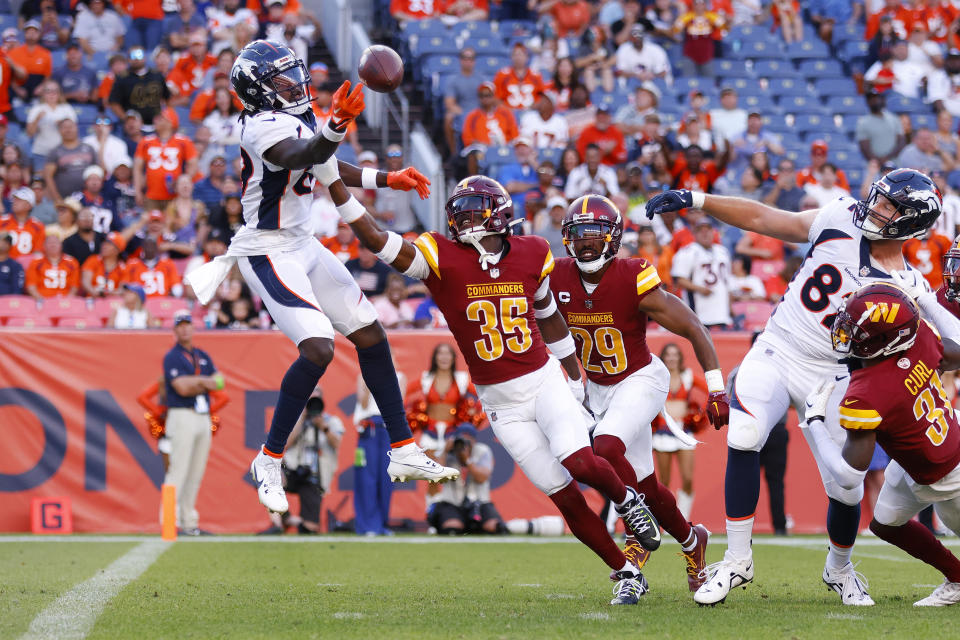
x=409 y=179
x=346 y=105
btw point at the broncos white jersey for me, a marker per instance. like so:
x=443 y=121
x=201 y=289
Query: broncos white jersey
x=837 y=264
x=274 y=197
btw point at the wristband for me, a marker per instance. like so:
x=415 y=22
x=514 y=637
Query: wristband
x=351 y=210
x=698 y=198
x=563 y=347
x=332 y=134
x=221 y=383
x=714 y=379
x=391 y=248
x=368 y=178
x=547 y=311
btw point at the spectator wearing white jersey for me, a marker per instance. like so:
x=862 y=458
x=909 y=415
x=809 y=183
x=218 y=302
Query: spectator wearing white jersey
x=543 y=126
x=702 y=269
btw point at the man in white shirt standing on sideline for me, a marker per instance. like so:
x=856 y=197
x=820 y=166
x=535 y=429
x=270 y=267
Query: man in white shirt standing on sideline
x=702 y=268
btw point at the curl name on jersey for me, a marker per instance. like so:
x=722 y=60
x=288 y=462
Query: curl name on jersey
x=274 y=197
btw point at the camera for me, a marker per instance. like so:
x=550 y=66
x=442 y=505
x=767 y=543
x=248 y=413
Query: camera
x=461 y=444
x=315 y=407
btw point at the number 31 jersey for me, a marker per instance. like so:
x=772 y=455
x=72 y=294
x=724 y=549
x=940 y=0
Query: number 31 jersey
x=490 y=312
x=273 y=197
x=902 y=399
x=837 y=264
x=609 y=329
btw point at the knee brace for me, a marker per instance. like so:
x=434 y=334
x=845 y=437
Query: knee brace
x=849 y=497
x=745 y=432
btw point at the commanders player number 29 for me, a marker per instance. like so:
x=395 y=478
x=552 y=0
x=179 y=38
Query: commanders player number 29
x=926 y=407
x=510 y=322
x=609 y=344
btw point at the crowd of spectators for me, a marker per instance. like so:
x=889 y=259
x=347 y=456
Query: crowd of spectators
x=120 y=165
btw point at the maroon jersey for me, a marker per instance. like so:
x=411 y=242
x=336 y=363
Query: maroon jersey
x=490 y=313
x=609 y=329
x=903 y=400
x=951 y=306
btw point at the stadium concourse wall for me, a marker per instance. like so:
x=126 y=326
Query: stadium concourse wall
x=72 y=427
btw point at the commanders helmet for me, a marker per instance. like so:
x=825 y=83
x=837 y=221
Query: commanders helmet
x=879 y=319
x=268 y=76
x=478 y=207
x=951 y=271
x=915 y=197
x=592 y=230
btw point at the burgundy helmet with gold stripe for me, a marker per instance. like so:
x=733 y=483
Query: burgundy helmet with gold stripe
x=592 y=229
x=879 y=319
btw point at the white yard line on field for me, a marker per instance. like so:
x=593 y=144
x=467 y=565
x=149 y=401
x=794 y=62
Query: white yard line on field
x=73 y=614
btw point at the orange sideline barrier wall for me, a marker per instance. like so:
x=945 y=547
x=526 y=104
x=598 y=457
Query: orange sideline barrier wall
x=71 y=427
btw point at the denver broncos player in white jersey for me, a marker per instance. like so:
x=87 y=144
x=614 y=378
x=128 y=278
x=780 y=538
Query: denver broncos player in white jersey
x=306 y=289
x=853 y=243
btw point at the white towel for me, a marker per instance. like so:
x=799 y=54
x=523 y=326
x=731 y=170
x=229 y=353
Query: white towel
x=206 y=278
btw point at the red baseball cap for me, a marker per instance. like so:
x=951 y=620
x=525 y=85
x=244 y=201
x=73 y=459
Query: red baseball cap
x=172 y=116
x=487 y=86
x=156 y=214
x=819 y=146
x=117 y=239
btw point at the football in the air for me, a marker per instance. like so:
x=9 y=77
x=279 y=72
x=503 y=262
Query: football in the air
x=380 y=68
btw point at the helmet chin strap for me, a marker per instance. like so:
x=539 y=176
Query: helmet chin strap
x=593 y=265
x=473 y=238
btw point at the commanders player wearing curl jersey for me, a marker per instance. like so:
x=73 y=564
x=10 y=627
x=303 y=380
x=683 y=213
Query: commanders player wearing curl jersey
x=494 y=291
x=626 y=384
x=895 y=399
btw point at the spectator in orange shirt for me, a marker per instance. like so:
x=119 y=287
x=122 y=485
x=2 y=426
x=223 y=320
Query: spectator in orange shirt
x=159 y=159
x=118 y=67
x=187 y=74
x=786 y=15
x=465 y=9
x=896 y=11
x=156 y=274
x=102 y=275
x=926 y=254
x=9 y=69
x=777 y=285
x=33 y=57
x=692 y=172
x=205 y=101
x=53 y=274
x=517 y=86
x=819 y=150
x=26 y=232
x=606 y=136
x=344 y=244
x=570 y=16
x=761 y=247
x=490 y=123
x=403 y=10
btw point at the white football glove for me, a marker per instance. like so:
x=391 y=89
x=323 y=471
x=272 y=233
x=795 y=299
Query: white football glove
x=817 y=402
x=328 y=172
x=913 y=282
x=576 y=387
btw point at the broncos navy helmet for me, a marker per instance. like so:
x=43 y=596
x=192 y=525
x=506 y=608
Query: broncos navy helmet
x=268 y=76
x=912 y=194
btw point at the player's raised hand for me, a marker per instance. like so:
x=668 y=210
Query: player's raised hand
x=817 y=401
x=346 y=104
x=409 y=179
x=673 y=200
x=912 y=282
x=718 y=409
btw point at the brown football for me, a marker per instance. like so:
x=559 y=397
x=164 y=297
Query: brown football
x=380 y=68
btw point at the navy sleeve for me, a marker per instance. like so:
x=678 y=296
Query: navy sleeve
x=172 y=367
x=19 y=277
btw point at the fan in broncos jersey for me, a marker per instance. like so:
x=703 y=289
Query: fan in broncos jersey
x=896 y=399
x=853 y=243
x=306 y=289
x=494 y=291
x=627 y=385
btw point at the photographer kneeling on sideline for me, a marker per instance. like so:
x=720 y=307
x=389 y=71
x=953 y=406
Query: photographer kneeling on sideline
x=464 y=505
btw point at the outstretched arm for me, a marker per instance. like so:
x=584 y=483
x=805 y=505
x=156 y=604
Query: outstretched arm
x=739 y=212
x=672 y=314
x=297 y=153
x=369 y=178
x=848 y=465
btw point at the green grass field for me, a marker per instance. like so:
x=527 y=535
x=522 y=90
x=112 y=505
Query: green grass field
x=422 y=588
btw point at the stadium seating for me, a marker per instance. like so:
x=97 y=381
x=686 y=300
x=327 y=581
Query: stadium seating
x=16 y=307
x=164 y=308
x=755 y=313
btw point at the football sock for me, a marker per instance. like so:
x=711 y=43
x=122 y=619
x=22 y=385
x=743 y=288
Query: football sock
x=612 y=449
x=843 y=521
x=629 y=569
x=587 y=526
x=664 y=508
x=376 y=367
x=739 y=534
x=295 y=389
x=691 y=542
x=596 y=472
x=918 y=541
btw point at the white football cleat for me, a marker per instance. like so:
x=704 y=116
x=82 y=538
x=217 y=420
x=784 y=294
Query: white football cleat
x=409 y=462
x=267 y=474
x=946 y=594
x=722 y=577
x=850 y=584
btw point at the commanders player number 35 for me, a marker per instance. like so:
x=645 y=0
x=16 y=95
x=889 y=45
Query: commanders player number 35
x=510 y=322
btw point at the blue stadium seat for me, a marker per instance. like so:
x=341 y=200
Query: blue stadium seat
x=8 y=21
x=614 y=99
x=798 y=156
x=442 y=63
x=87 y=114
x=499 y=156
x=489 y=65
x=508 y=28
x=846 y=105
x=741 y=84
x=478 y=28
x=845 y=157
x=762 y=103
x=345 y=152
x=424 y=28
x=831 y=136
x=812 y=122
x=855 y=178
x=552 y=154
x=759 y=49
x=775 y=123
x=59 y=58
x=789 y=138
x=433 y=45
x=827 y=87
x=788 y=87
x=807 y=48
x=774 y=68
x=801 y=104
x=854 y=49
x=846 y=32
x=727 y=68
x=848 y=124
x=685 y=84
x=488 y=45
x=927 y=120
x=902 y=104
x=822 y=69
